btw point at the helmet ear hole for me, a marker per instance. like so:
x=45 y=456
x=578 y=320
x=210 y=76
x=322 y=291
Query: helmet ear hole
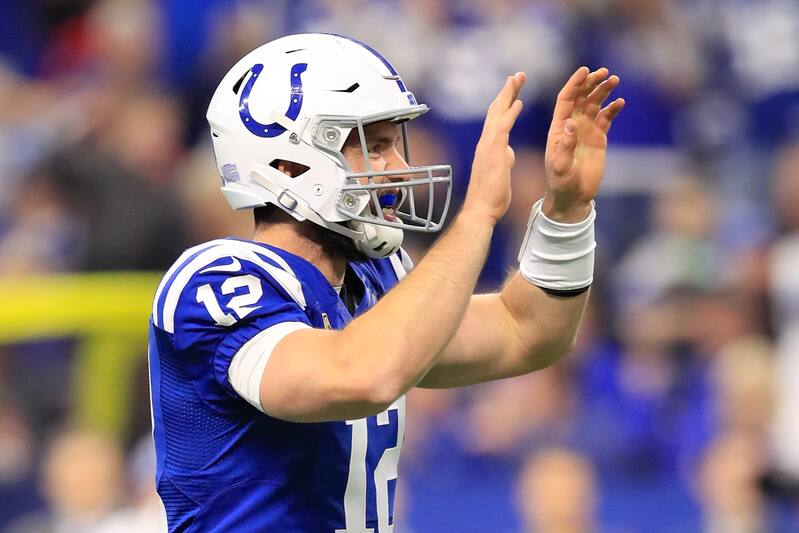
x=290 y=168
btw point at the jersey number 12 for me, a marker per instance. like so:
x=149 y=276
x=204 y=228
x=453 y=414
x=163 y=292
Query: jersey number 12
x=241 y=304
x=355 y=503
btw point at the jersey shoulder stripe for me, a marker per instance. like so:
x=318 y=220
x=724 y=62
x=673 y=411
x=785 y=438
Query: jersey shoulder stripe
x=267 y=260
x=169 y=277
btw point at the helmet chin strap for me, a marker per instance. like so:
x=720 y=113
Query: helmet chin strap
x=372 y=240
x=377 y=241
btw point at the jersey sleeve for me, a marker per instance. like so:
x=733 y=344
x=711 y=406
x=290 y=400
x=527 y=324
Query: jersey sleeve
x=225 y=304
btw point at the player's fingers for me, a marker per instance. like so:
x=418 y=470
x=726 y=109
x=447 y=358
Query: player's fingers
x=564 y=154
x=511 y=156
x=605 y=117
x=599 y=95
x=568 y=95
x=496 y=102
x=510 y=116
x=519 y=78
x=603 y=89
x=593 y=79
x=507 y=95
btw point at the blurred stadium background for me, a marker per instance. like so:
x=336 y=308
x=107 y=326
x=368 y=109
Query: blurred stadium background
x=678 y=410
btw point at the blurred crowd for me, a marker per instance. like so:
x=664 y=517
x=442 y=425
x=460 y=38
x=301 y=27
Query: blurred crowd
x=678 y=410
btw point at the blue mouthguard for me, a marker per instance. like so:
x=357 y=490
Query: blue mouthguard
x=388 y=200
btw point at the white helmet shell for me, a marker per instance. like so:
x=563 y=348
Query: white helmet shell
x=296 y=99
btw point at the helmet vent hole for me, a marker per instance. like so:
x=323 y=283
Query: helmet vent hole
x=237 y=85
x=351 y=89
x=290 y=168
x=297 y=50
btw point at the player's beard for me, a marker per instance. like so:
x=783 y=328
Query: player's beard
x=333 y=244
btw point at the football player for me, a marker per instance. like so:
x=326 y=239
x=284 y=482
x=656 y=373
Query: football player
x=279 y=365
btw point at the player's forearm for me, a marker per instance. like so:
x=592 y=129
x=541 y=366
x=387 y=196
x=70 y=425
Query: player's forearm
x=397 y=341
x=556 y=257
x=524 y=328
x=546 y=325
x=506 y=334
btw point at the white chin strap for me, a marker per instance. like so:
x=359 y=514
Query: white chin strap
x=372 y=240
x=377 y=241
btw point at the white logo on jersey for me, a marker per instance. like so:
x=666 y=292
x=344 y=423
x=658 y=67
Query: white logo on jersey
x=234 y=266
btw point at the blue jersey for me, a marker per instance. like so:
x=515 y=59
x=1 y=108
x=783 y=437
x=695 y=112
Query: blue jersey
x=223 y=465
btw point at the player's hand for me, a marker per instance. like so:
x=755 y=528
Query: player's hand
x=577 y=143
x=489 y=185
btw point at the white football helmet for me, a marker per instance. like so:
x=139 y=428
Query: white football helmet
x=297 y=99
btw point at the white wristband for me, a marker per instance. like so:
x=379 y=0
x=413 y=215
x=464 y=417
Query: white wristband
x=558 y=256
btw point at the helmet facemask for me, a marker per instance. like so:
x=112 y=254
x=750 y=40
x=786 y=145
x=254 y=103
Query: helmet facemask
x=417 y=201
x=334 y=86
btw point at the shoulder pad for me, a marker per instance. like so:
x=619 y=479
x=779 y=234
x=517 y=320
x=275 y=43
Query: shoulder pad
x=225 y=257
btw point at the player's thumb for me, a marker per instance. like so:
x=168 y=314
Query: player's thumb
x=511 y=156
x=564 y=155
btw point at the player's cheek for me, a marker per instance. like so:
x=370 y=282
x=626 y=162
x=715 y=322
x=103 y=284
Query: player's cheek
x=354 y=159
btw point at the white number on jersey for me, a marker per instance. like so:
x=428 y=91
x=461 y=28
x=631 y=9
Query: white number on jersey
x=355 y=495
x=241 y=304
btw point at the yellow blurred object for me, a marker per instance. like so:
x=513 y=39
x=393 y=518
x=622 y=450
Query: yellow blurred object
x=107 y=311
x=109 y=303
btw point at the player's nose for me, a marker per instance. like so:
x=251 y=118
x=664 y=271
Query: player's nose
x=397 y=162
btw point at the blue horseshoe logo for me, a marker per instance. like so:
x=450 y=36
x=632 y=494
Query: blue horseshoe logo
x=295 y=104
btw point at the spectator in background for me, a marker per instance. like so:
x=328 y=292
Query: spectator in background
x=17 y=476
x=784 y=255
x=753 y=105
x=784 y=292
x=652 y=44
x=83 y=483
x=497 y=428
x=677 y=252
x=116 y=185
x=124 y=39
x=144 y=512
x=207 y=215
x=743 y=375
x=233 y=29
x=758 y=38
x=42 y=118
x=42 y=234
x=644 y=400
x=107 y=143
x=728 y=486
x=557 y=493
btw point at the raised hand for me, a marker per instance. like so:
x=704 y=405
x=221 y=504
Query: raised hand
x=489 y=185
x=577 y=143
